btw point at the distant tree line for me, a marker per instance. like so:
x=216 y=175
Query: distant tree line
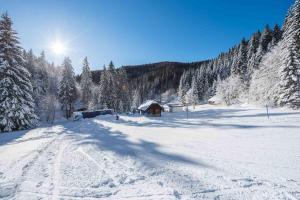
x=264 y=69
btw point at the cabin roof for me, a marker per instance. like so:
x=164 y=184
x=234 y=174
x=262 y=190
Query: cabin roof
x=175 y=105
x=147 y=104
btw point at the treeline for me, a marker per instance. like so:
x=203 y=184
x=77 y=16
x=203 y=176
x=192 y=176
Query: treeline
x=264 y=69
x=152 y=81
x=244 y=73
x=198 y=85
x=111 y=91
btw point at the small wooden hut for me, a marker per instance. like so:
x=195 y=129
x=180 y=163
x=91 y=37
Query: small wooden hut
x=151 y=108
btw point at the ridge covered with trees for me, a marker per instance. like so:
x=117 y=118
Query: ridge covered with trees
x=264 y=69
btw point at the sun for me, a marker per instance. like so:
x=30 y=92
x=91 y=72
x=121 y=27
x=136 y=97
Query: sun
x=58 y=47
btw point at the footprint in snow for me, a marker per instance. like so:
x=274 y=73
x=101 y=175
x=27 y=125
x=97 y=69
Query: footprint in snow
x=176 y=194
x=39 y=184
x=246 y=182
x=243 y=180
x=106 y=182
x=160 y=183
x=111 y=185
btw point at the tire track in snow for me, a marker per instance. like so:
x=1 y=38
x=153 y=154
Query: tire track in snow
x=29 y=165
x=37 y=163
x=97 y=164
x=57 y=167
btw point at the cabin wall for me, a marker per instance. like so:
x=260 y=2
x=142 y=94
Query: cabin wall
x=154 y=111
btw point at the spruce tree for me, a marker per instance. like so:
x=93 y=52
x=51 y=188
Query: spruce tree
x=103 y=90
x=265 y=40
x=123 y=93
x=86 y=82
x=16 y=102
x=241 y=66
x=40 y=81
x=67 y=88
x=277 y=34
x=290 y=71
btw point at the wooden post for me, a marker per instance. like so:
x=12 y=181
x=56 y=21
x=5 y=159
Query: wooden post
x=267 y=111
x=187 y=111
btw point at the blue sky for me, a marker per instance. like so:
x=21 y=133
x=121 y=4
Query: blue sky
x=132 y=32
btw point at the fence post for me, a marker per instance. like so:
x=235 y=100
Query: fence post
x=267 y=111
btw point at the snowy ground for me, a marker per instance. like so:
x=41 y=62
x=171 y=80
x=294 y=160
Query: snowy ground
x=219 y=153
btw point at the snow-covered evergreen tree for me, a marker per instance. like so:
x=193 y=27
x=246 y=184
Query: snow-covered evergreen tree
x=16 y=102
x=113 y=90
x=290 y=69
x=40 y=81
x=86 y=82
x=241 y=67
x=192 y=94
x=265 y=80
x=104 y=93
x=277 y=34
x=252 y=56
x=231 y=90
x=265 y=40
x=184 y=85
x=123 y=93
x=136 y=100
x=67 y=88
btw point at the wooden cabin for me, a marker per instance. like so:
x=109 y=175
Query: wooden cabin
x=151 y=108
x=175 y=107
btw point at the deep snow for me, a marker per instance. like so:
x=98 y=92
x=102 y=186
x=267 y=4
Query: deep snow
x=218 y=153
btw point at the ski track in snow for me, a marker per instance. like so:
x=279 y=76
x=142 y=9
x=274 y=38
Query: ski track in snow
x=221 y=153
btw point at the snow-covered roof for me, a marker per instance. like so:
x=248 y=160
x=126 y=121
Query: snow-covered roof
x=215 y=99
x=146 y=105
x=177 y=104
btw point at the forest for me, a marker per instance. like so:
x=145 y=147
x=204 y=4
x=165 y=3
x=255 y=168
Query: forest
x=263 y=69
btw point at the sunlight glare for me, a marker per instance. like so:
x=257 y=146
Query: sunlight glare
x=58 y=47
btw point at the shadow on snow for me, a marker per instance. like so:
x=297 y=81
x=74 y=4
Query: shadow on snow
x=206 y=118
x=93 y=132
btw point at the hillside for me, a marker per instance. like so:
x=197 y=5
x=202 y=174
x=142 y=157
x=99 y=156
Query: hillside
x=155 y=78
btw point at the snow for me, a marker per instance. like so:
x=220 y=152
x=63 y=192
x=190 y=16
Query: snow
x=218 y=153
x=215 y=100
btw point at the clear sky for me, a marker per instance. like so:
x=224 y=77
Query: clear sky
x=132 y=32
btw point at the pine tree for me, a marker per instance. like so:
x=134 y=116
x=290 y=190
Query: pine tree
x=193 y=92
x=277 y=34
x=136 y=100
x=29 y=61
x=123 y=93
x=185 y=84
x=111 y=66
x=67 y=88
x=252 y=56
x=103 y=90
x=290 y=70
x=265 y=40
x=16 y=102
x=40 y=81
x=86 y=82
x=241 y=66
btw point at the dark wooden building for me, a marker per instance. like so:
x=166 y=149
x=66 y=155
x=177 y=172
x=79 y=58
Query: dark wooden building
x=151 y=108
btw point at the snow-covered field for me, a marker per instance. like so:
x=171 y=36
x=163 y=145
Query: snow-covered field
x=218 y=153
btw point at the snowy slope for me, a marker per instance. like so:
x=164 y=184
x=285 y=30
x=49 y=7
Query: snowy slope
x=218 y=153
